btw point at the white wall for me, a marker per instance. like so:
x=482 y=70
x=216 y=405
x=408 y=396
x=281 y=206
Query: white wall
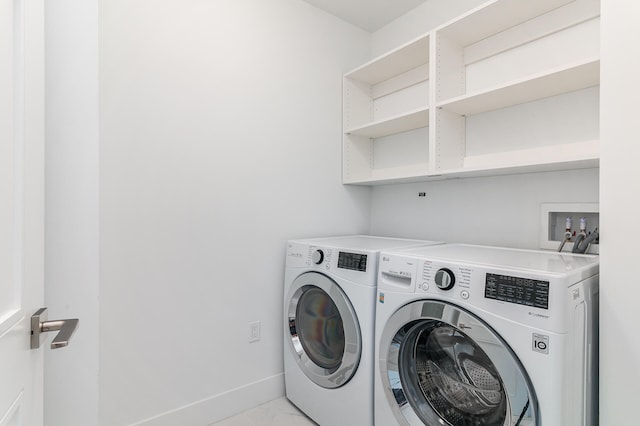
x=219 y=140
x=71 y=250
x=620 y=208
x=500 y=210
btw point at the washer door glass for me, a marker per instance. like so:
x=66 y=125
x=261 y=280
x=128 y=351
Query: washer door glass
x=324 y=331
x=446 y=366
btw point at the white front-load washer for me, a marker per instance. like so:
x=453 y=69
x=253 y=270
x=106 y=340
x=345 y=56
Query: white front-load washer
x=329 y=314
x=474 y=335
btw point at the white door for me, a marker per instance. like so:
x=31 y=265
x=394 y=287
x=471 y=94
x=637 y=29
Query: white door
x=21 y=208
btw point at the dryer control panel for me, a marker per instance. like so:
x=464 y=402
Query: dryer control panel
x=353 y=261
x=354 y=265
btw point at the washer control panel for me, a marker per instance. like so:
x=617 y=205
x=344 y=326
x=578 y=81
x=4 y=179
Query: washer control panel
x=512 y=290
x=453 y=280
x=517 y=290
x=445 y=279
x=317 y=256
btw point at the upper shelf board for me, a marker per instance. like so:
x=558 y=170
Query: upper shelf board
x=494 y=17
x=551 y=83
x=394 y=63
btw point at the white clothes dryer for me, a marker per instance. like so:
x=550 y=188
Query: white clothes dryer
x=329 y=314
x=473 y=335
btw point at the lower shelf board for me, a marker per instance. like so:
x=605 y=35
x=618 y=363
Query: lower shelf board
x=580 y=155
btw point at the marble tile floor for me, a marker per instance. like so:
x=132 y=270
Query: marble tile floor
x=279 y=412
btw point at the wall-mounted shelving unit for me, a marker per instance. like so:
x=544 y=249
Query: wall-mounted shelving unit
x=385 y=97
x=508 y=87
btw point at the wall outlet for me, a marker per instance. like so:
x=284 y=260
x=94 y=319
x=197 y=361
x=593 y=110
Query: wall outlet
x=254 y=331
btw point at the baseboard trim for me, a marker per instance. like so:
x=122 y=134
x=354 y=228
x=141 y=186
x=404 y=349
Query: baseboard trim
x=218 y=407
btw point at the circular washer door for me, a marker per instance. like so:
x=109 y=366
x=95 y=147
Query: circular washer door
x=323 y=330
x=445 y=366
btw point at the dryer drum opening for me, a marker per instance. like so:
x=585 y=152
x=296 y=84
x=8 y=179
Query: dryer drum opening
x=320 y=327
x=324 y=334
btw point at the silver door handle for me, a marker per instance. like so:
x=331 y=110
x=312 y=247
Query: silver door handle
x=39 y=325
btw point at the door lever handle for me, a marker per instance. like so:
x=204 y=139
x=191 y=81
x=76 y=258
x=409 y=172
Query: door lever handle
x=39 y=325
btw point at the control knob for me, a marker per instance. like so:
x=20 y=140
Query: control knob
x=317 y=257
x=445 y=279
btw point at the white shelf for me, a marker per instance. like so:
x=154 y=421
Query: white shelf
x=494 y=17
x=401 y=123
x=579 y=155
x=396 y=62
x=410 y=173
x=543 y=85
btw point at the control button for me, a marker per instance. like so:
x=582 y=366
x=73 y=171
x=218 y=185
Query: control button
x=317 y=257
x=425 y=286
x=464 y=294
x=445 y=279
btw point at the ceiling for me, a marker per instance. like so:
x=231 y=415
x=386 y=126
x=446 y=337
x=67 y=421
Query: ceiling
x=370 y=15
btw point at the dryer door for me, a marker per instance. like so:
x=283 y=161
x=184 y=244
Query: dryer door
x=324 y=331
x=445 y=366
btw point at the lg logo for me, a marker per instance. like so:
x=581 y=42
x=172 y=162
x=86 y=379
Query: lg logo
x=540 y=343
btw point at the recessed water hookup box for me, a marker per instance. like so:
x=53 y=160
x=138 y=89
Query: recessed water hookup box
x=556 y=217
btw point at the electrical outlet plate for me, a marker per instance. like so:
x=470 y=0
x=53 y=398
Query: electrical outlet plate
x=254 y=331
x=552 y=223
